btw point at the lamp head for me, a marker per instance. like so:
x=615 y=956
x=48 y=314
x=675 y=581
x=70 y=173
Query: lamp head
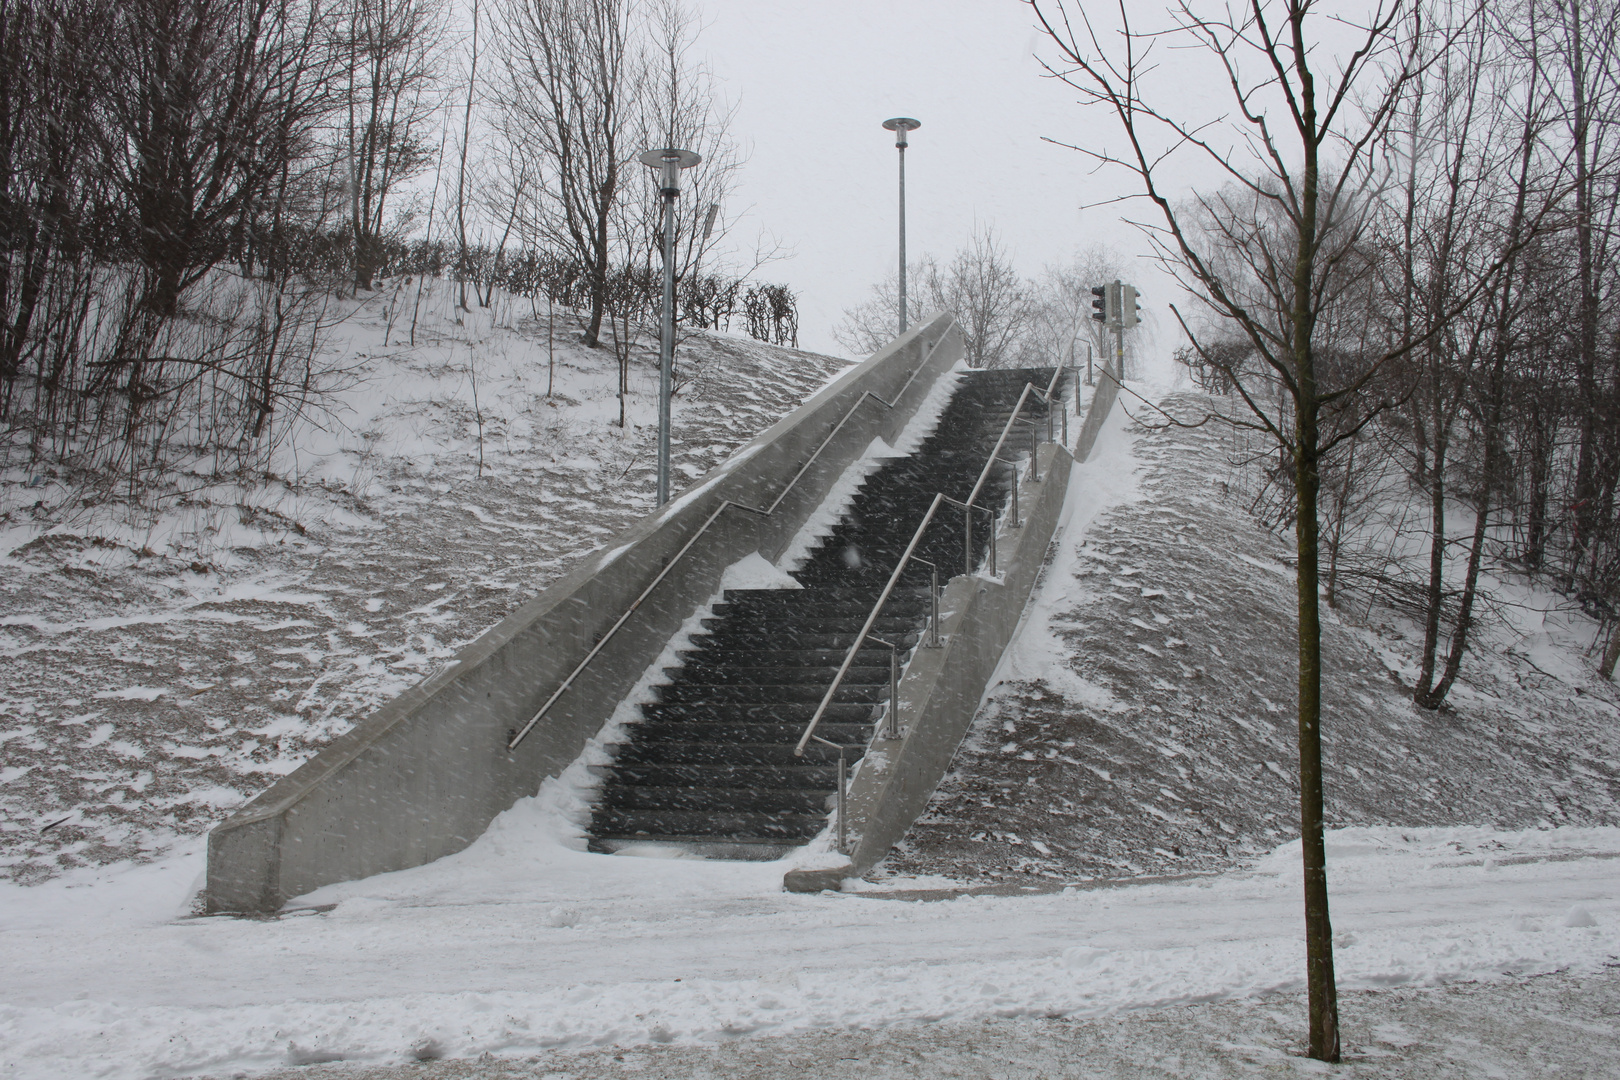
x=670 y=162
x=900 y=125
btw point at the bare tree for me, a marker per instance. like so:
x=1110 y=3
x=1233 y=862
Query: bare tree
x=573 y=84
x=1477 y=183
x=1060 y=322
x=682 y=106
x=979 y=286
x=1585 y=36
x=394 y=51
x=989 y=298
x=1267 y=253
x=870 y=325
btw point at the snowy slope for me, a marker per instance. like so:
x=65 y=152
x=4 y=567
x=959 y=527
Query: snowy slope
x=1145 y=718
x=524 y=944
x=159 y=665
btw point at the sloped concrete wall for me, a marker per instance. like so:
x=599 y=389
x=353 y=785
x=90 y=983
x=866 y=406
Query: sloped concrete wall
x=941 y=688
x=424 y=775
x=1102 y=403
x=940 y=691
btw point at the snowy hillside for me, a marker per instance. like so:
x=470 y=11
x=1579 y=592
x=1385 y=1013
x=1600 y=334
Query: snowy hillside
x=1145 y=721
x=1141 y=727
x=162 y=664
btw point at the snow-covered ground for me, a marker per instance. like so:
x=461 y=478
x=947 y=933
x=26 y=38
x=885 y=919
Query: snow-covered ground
x=526 y=948
x=161 y=664
x=1549 y=1026
x=524 y=943
x=1144 y=722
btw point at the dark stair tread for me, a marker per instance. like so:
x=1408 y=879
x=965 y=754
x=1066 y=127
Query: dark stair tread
x=673 y=752
x=783 y=712
x=641 y=796
x=847 y=693
x=867 y=656
x=817 y=777
x=705 y=730
x=721 y=674
x=738 y=823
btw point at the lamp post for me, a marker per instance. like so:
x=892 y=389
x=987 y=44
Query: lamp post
x=670 y=162
x=900 y=125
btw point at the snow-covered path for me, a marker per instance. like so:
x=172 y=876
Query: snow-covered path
x=522 y=942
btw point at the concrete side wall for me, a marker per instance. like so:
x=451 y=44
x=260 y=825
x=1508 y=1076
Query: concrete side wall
x=941 y=689
x=424 y=775
x=1102 y=403
x=940 y=692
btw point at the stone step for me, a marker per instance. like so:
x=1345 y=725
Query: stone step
x=656 y=824
x=848 y=692
x=810 y=777
x=721 y=732
x=669 y=752
x=719 y=673
x=643 y=797
x=735 y=712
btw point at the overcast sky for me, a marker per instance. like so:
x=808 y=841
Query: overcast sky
x=813 y=82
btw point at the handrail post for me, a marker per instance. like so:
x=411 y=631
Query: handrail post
x=1065 y=413
x=967 y=539
x=1034 y=448
x=933 y=614
x=842 y=783
x=995 y=527
x=894 y=691
x=1014 y=524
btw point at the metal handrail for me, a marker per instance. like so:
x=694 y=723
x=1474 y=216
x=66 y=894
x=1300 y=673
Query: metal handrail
x=871 y=620
x=602 y=641
x=1013 y=465
x=967 y=512
x=916 y=538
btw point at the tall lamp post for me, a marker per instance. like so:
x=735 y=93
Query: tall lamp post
x=670 y=162
x=900 y=125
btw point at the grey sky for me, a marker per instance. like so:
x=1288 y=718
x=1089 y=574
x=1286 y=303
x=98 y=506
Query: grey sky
x=814 y=81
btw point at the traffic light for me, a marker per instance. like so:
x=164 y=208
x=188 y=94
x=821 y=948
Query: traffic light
x=1130 y=311
x=1099 y=306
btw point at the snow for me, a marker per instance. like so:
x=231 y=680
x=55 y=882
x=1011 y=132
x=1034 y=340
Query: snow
x=1154 y=634
x=523 y=942
x=1163 y=620
x=757 y=572
x=240 y=621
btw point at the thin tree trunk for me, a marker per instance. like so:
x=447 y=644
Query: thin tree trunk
x=1320 y=985
x=1323 y=994
x=1434 y=592
x=1611 y=655
x=1340 y=508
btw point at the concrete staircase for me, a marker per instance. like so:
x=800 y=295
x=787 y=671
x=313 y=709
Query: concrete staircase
x=711 y=767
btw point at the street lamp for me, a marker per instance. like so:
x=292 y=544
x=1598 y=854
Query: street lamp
x=670 y=162
x=900 y=125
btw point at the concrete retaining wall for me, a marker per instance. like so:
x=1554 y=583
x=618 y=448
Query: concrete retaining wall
x=941 y=689
x=1102 y=403
x=423 y=776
